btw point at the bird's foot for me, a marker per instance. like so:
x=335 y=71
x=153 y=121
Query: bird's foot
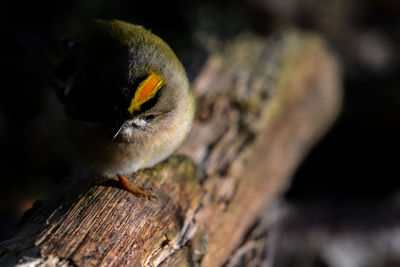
x=136 y=190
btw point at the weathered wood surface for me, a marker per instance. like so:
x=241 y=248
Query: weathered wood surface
x=262 y=103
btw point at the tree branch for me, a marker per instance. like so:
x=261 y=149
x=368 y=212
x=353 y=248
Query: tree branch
x=262 y=103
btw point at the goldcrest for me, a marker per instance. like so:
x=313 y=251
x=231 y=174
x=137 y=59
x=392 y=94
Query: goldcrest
x=123 y=100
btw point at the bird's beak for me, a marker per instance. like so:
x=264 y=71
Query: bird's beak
x=137 y=123
x=123 y=126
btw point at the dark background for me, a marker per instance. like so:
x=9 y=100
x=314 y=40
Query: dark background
x=348 y=182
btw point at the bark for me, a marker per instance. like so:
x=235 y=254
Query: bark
x=262 y=103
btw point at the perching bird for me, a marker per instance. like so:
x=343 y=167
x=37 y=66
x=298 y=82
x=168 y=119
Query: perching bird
x=123 y=99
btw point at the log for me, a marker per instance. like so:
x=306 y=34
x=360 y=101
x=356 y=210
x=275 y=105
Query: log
x=261 y=105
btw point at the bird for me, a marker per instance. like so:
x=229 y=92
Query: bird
x=121 y=98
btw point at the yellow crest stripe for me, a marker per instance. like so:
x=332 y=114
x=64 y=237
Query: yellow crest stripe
x=145 y=91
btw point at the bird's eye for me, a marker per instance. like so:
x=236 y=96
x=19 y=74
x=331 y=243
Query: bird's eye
x=150 y=117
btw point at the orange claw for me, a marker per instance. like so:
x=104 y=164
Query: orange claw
x=136 y=190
